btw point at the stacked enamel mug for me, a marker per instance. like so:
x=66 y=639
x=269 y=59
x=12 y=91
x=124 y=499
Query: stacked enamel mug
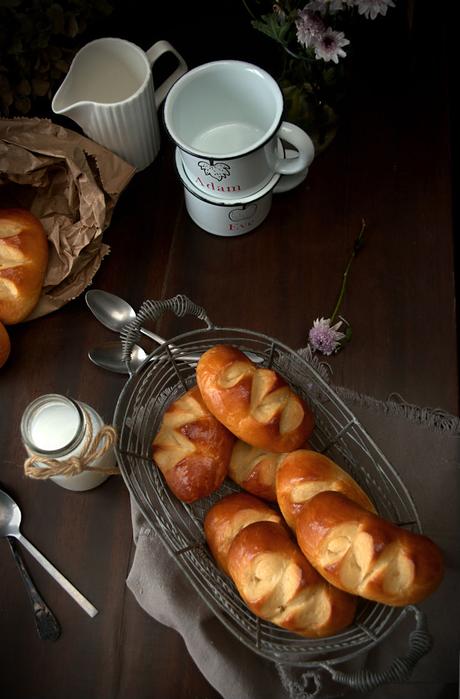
x=225 y=118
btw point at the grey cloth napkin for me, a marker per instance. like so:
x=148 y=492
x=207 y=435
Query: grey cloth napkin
x=424 y=447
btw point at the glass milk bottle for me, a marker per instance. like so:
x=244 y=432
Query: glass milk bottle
x=56 y=427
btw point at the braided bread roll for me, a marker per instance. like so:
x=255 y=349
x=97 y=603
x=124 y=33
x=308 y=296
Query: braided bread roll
x=5 y=345
x=255 y=469
x=23 y=263
x=279 y=585
x=192 y=449
x=362 y=553
x=255 y=404
x=303 y=473
x=227 y=517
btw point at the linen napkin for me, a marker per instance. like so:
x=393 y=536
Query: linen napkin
x=423 y=445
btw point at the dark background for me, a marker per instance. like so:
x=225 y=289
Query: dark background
x=411 y=48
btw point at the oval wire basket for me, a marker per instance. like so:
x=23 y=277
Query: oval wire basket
x=167 y=373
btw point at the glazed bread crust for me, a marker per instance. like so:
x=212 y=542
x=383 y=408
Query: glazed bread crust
x=304 y=473
x=192 y=449
x=255 y=404
x=364 y=554
x=254 y=469
x=279 y=585
x=228 y=516
x=23 y=263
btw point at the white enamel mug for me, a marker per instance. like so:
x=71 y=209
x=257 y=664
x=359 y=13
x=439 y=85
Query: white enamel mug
x=230 y=217
x=109 y=92
x=226 y=119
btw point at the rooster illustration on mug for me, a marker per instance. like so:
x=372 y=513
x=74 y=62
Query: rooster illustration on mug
x=218 y=171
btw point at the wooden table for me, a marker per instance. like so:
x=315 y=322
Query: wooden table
x=389 y=164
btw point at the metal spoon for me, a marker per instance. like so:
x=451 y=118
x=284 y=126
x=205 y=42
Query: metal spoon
x=10 y=519
x=114 y=312
x=109 y=356
x=47 y=625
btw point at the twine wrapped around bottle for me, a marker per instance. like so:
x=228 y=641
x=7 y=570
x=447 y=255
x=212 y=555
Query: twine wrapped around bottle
x=94 y=447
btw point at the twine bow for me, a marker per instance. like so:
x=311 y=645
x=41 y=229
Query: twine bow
x=94 y=447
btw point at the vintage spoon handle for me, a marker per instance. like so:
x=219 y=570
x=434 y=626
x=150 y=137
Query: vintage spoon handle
x=192 y=357
x=47 y=625
x=153 y=336
x=63 y=582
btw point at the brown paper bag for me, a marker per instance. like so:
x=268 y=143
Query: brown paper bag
x=72 y=185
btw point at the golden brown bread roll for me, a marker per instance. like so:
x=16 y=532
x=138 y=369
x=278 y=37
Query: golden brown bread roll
x=192 y=449
x=5 y=345
x=23 y=262
x=255 y=469
x=279 y=585
x=228 y=516
x=255 y=404
x=303 y=473
x=362 y=553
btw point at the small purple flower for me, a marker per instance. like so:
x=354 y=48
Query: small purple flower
x=310 y=28
x=371 y=8
x=312 y=33
x=325 y=338
x=338 y=5
x=331 y=6
x=330 y=45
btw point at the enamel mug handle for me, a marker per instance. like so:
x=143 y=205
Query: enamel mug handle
x=153 y=54
x=295 y=136
x=288 y=182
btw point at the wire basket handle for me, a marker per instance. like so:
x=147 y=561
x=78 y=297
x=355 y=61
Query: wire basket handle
x=420 y=642
x=180 y=305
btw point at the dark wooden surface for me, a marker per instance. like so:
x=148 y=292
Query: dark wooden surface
x=390 y=164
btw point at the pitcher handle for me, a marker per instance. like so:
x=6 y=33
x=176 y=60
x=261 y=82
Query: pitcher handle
x=153 y=54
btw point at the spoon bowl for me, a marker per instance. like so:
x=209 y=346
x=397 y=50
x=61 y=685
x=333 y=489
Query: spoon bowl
x=109 y=356
x=114 y=312
x=110 y=310
x=10 y=515
x=10 y=520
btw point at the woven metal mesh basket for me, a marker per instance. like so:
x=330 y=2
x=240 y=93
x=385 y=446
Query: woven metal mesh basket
x=167 y=373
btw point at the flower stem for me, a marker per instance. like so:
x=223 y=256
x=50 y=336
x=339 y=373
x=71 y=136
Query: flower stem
x=357 y=245
x=248 y=9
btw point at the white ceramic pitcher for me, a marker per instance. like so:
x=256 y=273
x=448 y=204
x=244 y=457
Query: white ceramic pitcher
x=109 y=93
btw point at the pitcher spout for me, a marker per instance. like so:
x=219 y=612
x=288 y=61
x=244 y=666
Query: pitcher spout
x=64 y=102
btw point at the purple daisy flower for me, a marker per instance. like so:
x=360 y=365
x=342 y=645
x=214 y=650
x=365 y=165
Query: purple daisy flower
x=372 y=8
x=330 y=46
x=310 y=28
